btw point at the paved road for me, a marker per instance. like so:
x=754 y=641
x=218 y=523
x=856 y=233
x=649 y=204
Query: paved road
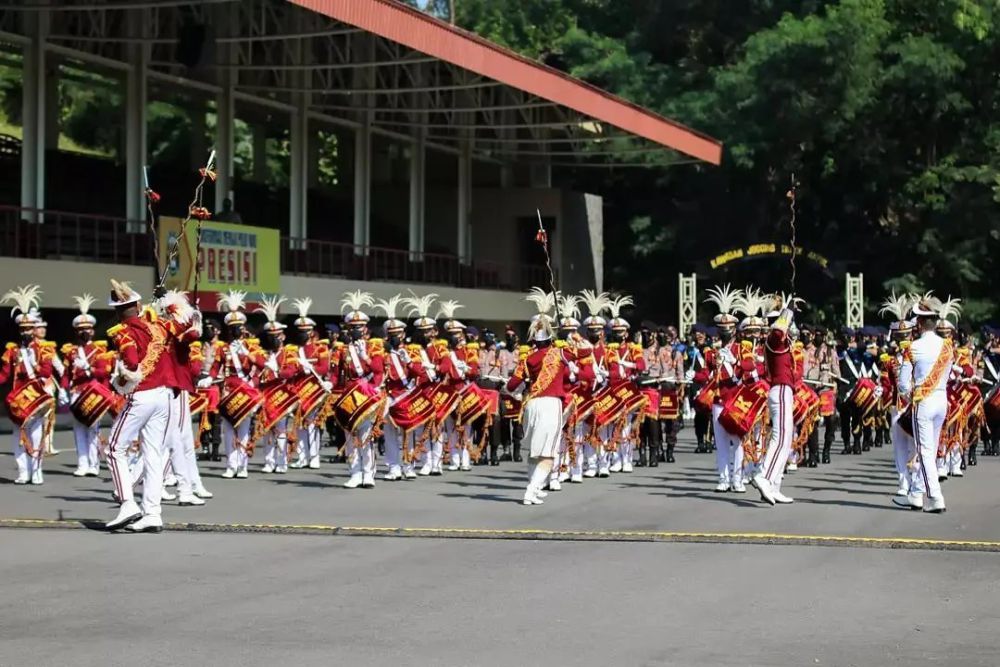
x=850 y=497
x=82 y=597
x=85 y=598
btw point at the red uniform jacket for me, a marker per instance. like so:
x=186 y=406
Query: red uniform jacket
x=539 y=366
x=99 y=364
x=12 y=364
x=780 y=362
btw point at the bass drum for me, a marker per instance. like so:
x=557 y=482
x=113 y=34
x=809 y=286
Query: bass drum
x=92 y=403
x=239 y=402
x=744 y=408
x=29 y=400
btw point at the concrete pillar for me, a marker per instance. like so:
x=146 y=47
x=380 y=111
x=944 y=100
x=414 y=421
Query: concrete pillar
x=227 y=18
x=259 y=139
x=362 y=185
x=136 y=99
x=33 y=115
x=418 y=194
x=464 y=244
x=298 y=200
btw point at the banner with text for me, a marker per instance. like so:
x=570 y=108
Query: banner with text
x=232 y=257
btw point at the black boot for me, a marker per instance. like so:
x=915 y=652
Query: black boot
x=654 y=457
x=670 y=452
x=857 y=446
x=972 y=455
x=826 y=454
x=700 y=449
x=641 y=463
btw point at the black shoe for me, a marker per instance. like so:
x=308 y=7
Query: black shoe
x=662 y=456
x=847 y=450
x=826 y=457
x=654 y=462
x=866 y=448
x=670 y=458
x=517 y=458
x=700 y=449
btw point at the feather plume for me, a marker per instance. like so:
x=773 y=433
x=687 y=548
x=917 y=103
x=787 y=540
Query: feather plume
x=544 y=301
x=303 y=306
x=725 y=298
x=175 y=303
x=951 y=309
x=446 y=309
x=389 y=307
x=24 y=298
x=616 y=304
x=84 y=303
x=897 y=306
x=270 y=305
x=569 y=305
x=356 y=301
x=750 y=302
x=233 y=300
x=596 y=303
x=418 y=305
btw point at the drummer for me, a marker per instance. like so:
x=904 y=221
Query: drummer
x=595 y=372
x=89 y=363
x=453 y=370
x=237 y=376
x=398 y=385
x=423 y=370
x=23 y=363
x=510 y=423
x=670 y=358
x=356 y=374
x=277 y=364
x=313 y=361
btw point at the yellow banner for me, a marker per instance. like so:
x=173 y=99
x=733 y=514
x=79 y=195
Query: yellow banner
x=232 y=257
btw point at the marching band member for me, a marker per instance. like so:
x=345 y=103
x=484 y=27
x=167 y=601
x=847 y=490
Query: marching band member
x=781 y=374
x=698 y=374
x=89 y=363
x=489 y=364
x=314 y=360
x=924 y=376
x=949 y=462
x=184 y=353
x=146 y=376
x=209 y=379
x=237 y=377
x=277 y=364
x=625 y=363
x=727 y=365
x=510 y=421
x=670 y=359
x=28 y=366
x=649 y=432
x=595 y=373
x=398 y=385
x=990 y=374
x=900 y=331
x=573 y=347
x=546 y=374
x=453 y=372
x=361 y=405
x=424 y=373
x=849 y=372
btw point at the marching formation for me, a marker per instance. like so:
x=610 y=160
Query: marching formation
x=581 y=399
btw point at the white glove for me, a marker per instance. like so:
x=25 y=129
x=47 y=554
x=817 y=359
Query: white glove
x=573 y=368
x=878 y=392
x=689 y=375
x=204 y=383
x=81 y=364
x=307 y=366
x=63 y=397
x=327 y=385
x=272 y=363
x=726 y=356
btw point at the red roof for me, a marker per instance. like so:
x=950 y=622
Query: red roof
x=412 y=28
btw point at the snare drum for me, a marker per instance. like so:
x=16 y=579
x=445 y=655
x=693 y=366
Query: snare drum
x=411 y=411
x=510 y=407
x=670 y=404
x=445 y=400
x=29 y=400
x=278 y=400
x=652 y=402
x=804 y=402
x=240 y=401
x=359 y=402
x=92 y=402
x=863 y=396
x=473 y=403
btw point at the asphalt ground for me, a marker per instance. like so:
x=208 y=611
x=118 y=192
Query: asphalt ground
x=532 y=594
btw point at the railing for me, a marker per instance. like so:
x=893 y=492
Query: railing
x=61 y=235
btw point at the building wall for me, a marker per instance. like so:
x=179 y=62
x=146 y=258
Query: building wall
x=60 y=281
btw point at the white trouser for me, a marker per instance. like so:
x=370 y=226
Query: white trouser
x=393 y=449
x=435 y=450
x=361 y=459
x=779 y=446
x=33 y=428
x=394 y=438
x=582 y=451
x=146 y=417
x=728 y=451
x=604 y=457
x=87 y=440
x=181 y=439
x=623 y=454
x=276 y=449
x=928 y=417
x=310 y=437
x=236 y=441
x=902 y=449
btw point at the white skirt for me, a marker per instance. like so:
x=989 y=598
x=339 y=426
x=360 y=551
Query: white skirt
x=542 y=422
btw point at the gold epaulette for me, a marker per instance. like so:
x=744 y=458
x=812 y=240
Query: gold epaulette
x=67 y=348
x=101 y=344
x=149 y=314
x=12 y=346
x=376 y=346
x=561 y=343
x=196 y=345
x=48 y=343
x=414 y=347
x=635 y=347
x=339 y=345
x=292 y=348
x=612 y=346
x=324 y=341
x=472 y=346
x=116 y=330
x=252 y=341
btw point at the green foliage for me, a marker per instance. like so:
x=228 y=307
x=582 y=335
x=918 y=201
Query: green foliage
x=885 y=111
